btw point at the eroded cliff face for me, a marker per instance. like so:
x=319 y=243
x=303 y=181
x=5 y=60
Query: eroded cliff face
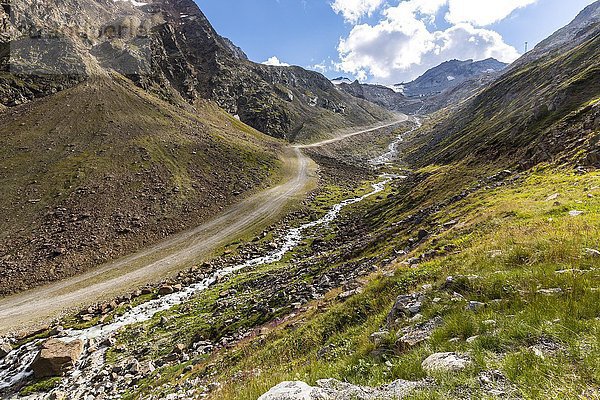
x=170 y=48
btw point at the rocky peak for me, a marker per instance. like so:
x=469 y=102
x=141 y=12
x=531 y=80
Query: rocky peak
x=450 y=74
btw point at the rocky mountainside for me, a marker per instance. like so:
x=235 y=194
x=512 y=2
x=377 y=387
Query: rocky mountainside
x=170 y=48
x=99 y=170
x=383 y=96
x=444 y=85
x=538 y=111
x=579 y=30
x=450 y=74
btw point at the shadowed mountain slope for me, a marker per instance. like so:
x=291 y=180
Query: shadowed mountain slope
x=170 y=48
x=98 y=170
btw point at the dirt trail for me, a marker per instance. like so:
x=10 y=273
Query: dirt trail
x=402 y=118
x=40 y=305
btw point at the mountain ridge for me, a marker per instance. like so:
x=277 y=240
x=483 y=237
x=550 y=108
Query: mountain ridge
x=170 y=48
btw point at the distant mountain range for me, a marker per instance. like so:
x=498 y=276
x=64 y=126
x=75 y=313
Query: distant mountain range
x=412 y=96
x=448 y=75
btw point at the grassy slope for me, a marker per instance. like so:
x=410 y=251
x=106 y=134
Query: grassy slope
x=514 y=241
x=511 y=241
x=97 y=170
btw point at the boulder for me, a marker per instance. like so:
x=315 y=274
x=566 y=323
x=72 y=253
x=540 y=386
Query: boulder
x=56 y=357
x=166 y=289
x=293 y=390
x=445 y=362
x=475 y=306
x=406 y=306
x=332 y=389
x=414 y=335
x=5 y=348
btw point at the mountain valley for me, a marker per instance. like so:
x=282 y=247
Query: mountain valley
x=183 y=223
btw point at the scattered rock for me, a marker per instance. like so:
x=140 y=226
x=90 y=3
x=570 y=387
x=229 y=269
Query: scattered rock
x=349 y=293
x=445 y=362
x=592 y=252
x=378 y=338
x=550 y=291
x=56 y=357
x=406 y=306
x=422 y=234
x=553 y=197
x=165 y=289
x=295 y=390
x=475 y=306
x=58 y=395
x=538 y=352
x=575 y=213
x=472 y=339
x=413 y=336
x=496 y=384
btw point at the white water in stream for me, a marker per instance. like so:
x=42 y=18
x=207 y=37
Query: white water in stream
x=392 y=151
x=15 y=366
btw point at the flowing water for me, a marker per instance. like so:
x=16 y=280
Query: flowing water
x=14 y=368
x=392 y=150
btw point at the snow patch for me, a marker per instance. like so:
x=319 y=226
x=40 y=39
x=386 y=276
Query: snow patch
x=398 y=88
x=341 y=80
x=135 y=3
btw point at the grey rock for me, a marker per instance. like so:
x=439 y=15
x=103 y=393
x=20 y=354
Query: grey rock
x=406 y=306
x=475 y=306
x=550 y=291
x=445 y=362
x=165 y=289
x=413 y=336
x=332 y=389
x=378 y=338
x=5 y=348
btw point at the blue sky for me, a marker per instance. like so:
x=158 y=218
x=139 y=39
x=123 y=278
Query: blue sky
x=385 y=41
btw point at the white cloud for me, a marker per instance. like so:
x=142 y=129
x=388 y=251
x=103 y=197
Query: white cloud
x=354 y=10
x=274 y=61
x=403 y=44
x=483 y=13
x=322 y=67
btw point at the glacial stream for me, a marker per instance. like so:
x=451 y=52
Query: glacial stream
x=15 y=367
x=392 y=150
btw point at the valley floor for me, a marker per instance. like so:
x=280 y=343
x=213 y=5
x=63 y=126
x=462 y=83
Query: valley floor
x=38 y=307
